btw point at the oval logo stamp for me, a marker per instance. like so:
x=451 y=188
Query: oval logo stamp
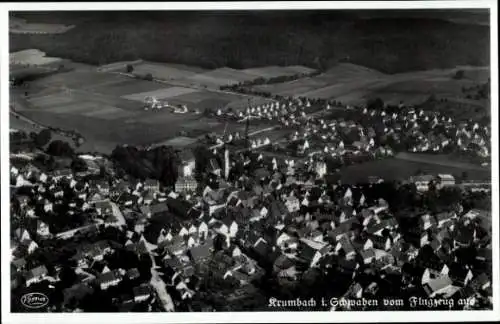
x=34 y=300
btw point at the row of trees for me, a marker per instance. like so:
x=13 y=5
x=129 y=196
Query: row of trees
x=159 y=163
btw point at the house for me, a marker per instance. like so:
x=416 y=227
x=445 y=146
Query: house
x=154 y=209
x=103 y=207
x=201 y=253
x=445 y=180
x=19 y=264
x=127 y=199
x=214 y=167
x=292 y=204
x=459 y=274
x=444 y=219
x=426 y=222
x=61 y=174
x=152 y=185
x=133 y=274
x=36 y=275
x=309 y=253
x=186 y=184
x=481 y=282
x=98 y=250
x=367 y=255
x=103 y=187
x=109 y=279
x=464 y=236
x=141 y=293
x=345 y=245
x=232 y=226
x=437 y=285
x=422 y=182
x=42 y=229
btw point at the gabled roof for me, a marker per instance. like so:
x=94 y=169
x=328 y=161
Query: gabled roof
x=437 y=284
x=37 y=272
x=200 y=252
x=107 y=277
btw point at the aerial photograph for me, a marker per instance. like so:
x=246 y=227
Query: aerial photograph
x=250 y=161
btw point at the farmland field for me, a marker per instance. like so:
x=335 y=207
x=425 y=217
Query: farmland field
x=220 y=77
x=126 y=87
x=352 y=84
x=31 y=57
x=106 y=109
x=163 y=93
x=167 y=71
x=271 y=71
x=396 y=169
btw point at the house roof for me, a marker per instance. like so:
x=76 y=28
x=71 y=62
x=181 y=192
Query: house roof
x=142 y=290
x=200 y=252
x=439 y=283
x=151 y=182
x=107 y=277
x=173 y=263
x=37 y=272
x=261 y=247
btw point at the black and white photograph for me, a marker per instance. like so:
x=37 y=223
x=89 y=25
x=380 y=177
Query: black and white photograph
x=278 y=161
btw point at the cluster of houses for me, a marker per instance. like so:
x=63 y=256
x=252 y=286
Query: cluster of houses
x=281 y=216
x=277 y=111
x=414 y=131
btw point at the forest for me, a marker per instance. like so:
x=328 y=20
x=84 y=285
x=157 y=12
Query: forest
x=316 y=39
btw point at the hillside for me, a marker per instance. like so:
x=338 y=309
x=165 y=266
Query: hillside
x=252 y=39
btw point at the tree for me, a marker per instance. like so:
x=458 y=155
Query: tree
x=459 y=75
x=79 y=165
x=376 y=104
x=148 y=77
x=60 y=148
x=43 y=138
x=130 y=68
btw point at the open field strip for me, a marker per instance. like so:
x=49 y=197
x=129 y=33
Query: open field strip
x=299 y=69
x=164 y=93
x=162 y=71
x=396 y=169
x=442 y=160
x=127 y=86
x=31 y=57
x=51 y=100
x=269 y=71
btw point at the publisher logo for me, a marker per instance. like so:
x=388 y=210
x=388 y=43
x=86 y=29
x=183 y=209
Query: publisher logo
x=34 y=300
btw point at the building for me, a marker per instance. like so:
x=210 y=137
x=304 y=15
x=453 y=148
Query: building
x=152 y=185
x=141 y=293
x=422 y=182
x=36 y=275
x=109 y=279
x=186 y=184
x=445 y=180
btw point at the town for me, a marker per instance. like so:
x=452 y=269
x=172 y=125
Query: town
x=235 y=229
x=139 y=186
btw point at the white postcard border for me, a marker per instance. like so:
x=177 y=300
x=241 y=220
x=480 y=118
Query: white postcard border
x=255 y=317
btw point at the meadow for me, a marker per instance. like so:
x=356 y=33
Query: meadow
x=353 y=84
x=107 y=109
x=398 y=169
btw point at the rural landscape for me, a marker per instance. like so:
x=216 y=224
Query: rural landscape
x=261 y=157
